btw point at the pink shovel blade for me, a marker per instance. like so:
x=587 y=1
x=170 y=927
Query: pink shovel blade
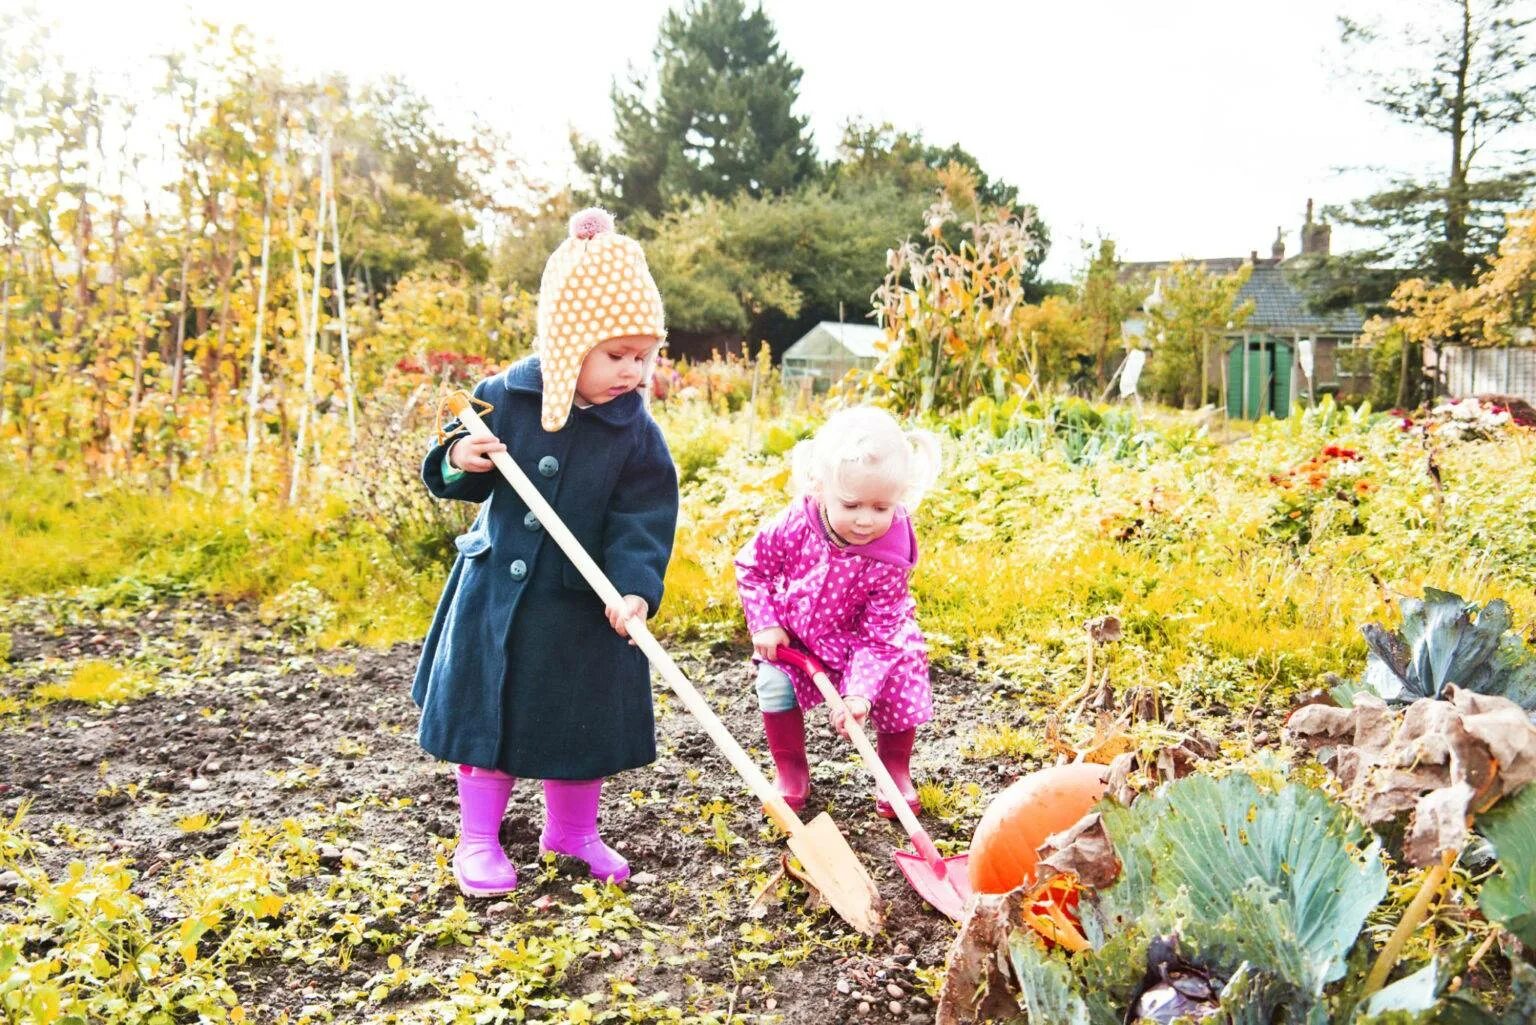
x=946 y=885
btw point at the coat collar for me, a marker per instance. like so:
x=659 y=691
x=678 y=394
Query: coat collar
x=897 y=546
x=526 y=376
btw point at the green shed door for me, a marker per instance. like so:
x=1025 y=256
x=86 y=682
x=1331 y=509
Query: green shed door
x=1280 y=392
x=1259 y=379
x=1236 y=381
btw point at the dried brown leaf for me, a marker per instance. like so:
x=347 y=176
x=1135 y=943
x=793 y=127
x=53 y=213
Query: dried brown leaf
x=1438 y=761
x=1083 y=850
x=1505 y=728
x=978 y=984
x=814 y=901
x=759 y=906
x=1104 y=629
x=1135 y=771
x=1439 y=824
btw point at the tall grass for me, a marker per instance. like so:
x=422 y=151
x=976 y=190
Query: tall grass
x=1019 y=548
x=116 y=545
x=1186 y=543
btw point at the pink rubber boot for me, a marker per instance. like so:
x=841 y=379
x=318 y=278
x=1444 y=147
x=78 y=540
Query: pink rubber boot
x=570 y=827
x=786 y=742
x=895 y=751
x=480 y=866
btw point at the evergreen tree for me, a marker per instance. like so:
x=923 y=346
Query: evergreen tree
x=722 y=121
x=1470 y=81
x=904 y=159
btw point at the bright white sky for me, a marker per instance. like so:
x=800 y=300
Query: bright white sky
x=1189 y=128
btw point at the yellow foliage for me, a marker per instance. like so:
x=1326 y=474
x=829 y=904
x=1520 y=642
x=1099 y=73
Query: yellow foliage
x=97 y=683
x=1491 y=312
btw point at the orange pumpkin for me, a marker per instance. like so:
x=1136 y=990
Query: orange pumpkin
x=1021 y=817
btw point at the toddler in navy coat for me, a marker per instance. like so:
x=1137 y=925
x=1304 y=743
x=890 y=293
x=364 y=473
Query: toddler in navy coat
x=524 y=672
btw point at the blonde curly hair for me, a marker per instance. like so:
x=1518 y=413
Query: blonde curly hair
x=871 y=438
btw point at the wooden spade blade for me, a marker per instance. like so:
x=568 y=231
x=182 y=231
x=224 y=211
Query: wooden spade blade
x=837 y=872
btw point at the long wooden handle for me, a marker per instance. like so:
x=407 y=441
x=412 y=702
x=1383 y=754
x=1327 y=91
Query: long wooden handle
x=813 y=668
x=785 y=818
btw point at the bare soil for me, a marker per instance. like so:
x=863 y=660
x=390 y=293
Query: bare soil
x=258 y=728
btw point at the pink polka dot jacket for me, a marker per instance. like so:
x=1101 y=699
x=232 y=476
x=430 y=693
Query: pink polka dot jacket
x=850 y=607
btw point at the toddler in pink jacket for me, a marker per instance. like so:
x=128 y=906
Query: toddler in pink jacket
x=830 y=574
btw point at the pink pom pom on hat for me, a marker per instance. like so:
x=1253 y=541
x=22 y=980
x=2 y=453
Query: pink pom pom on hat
x=591 y=222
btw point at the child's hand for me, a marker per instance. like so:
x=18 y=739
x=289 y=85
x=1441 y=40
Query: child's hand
x=858 y=711
x=766 y=642
x=633 y=605
x=472 y=454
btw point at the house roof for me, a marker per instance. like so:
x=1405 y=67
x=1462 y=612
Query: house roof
x=1216 y=265
x=828 y=336
x=1278 y=305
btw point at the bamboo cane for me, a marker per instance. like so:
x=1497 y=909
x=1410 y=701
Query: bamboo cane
x=341 y=307
x=311 y=342
x=253 y=398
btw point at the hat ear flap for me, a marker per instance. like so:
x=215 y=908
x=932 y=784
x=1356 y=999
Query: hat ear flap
x=560 y=372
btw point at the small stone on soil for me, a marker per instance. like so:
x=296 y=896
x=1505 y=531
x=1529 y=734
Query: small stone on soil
x=843 y=987
x=9 y=881
x=895 y=991
x=198 y=785
x=895 y=1006
x=643 y=879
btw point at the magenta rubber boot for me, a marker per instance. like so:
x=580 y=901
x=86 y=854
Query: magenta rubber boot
x=570 y=828
x=480 y=866
x=786 y=742
x=895 y=751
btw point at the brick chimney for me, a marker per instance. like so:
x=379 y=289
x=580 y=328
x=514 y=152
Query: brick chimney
x=1277 y=248
x=1315 y=235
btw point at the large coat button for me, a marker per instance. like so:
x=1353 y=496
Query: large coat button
x=531 y=521
x=549 y=466
x=518 y=569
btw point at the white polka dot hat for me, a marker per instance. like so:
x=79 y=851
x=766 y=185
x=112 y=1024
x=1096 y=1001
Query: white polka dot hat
x=596 y=286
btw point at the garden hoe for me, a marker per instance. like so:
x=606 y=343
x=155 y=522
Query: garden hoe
x=829 y=861
x=943 y=882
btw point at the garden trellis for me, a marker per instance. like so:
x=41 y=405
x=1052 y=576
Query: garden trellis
x=158 y=288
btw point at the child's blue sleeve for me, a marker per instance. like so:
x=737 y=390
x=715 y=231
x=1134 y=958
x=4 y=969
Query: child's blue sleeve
x=642 y=521
x=447 y=481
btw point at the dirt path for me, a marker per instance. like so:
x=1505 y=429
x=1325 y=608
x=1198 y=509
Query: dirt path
x=250 y=726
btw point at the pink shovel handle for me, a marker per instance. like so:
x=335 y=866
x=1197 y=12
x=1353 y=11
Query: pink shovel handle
x=804 y=661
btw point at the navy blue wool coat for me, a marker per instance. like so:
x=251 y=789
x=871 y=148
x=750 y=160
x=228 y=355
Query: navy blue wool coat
x=521 y=671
